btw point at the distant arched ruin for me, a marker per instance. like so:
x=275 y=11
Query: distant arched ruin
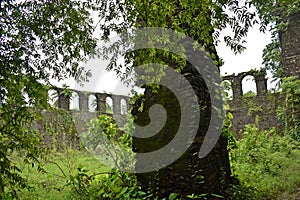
x=244 y=109
x=86 y=99
x=263 y=105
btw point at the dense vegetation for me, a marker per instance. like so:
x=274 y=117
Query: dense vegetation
x=266 y=163
x=47 y=39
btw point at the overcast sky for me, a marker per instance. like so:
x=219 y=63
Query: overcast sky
x=251 y=58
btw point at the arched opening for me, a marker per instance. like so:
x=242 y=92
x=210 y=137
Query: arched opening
x=92 y=103
x=124 y=109
x=74 y=101
x=227 y=88
x=249 y=86
x=109 y=105
x=53 y=97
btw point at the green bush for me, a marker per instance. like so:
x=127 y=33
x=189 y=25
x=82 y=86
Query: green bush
x=266 y=162
x=110 y=185
x=289 y=113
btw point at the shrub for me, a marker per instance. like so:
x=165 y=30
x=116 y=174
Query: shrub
x=266 y=162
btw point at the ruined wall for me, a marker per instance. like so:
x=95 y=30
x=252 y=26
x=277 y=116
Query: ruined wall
x=289 y=41
x=63 y=127
x=244 y=109
x=120 y=104
x=263 y=105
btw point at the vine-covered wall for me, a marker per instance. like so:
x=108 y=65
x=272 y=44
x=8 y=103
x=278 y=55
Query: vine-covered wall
x=260 y=107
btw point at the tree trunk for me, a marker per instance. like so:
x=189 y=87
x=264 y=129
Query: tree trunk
x=189 y=174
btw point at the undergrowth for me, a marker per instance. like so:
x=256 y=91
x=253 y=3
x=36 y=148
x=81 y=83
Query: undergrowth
x=266 y=163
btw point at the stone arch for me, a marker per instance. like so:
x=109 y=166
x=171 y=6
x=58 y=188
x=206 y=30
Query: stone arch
x=92 y=103
x=227 y=85
x=53 y=96
x=74 y=101
x=109 y=105
x=248 y=84
x=123 y=106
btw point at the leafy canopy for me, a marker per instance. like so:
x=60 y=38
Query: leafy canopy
x=39 y=40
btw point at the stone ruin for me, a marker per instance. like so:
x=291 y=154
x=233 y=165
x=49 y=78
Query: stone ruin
x=94 y=104
x=244 y=109
x=263 y=104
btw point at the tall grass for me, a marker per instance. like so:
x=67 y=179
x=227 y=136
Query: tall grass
x=267 y=163
x=58 y=168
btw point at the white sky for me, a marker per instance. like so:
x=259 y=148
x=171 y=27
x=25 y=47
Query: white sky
x=251 y=58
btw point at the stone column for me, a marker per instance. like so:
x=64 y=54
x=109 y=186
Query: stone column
x=63 y=100
x=290 y=40
x=127 y=99
x=83 y=102
x=101 y=102
x=116 y=104
x=236 y=86
x=261 y=84
x=290 y=45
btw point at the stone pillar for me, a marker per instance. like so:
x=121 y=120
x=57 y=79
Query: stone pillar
x=83 y=101
x=127 y=99
x=236 y=86
x=124 y=99
x=290 y=40
x=116 y=104
x=101 y=102
x=261 y=84
x=290 y=45
x=63 y=100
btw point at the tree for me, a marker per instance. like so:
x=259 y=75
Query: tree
x=47 y=39
x=40 y=40
x=202 y=21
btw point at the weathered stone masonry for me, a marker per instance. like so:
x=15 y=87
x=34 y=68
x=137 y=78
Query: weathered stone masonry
x=63 y=102
x=246 y=109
